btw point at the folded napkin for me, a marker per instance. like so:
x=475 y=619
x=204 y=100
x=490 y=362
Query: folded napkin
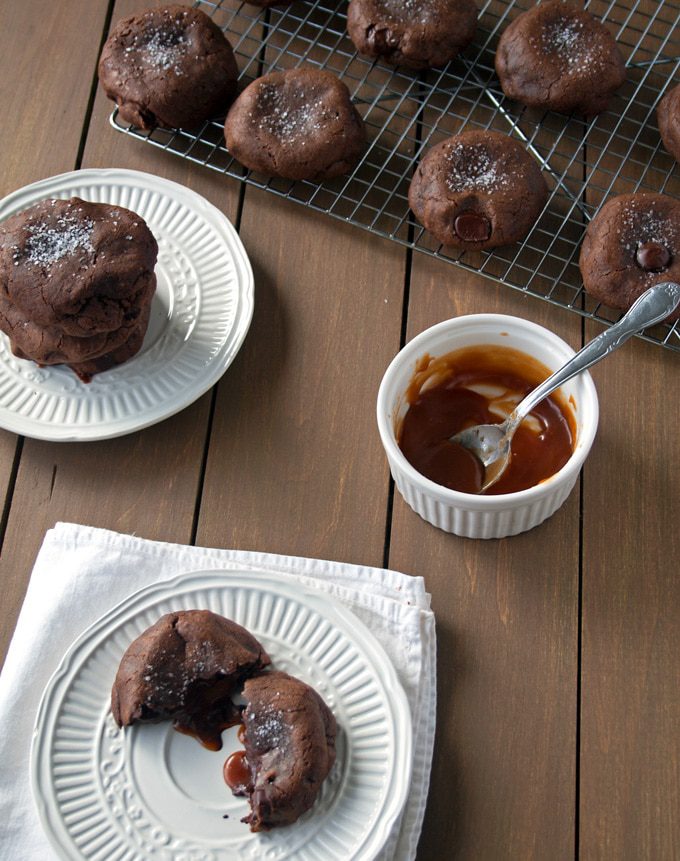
x=81 y=573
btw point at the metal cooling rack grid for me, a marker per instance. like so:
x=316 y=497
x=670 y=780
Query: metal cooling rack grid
x=406 y=113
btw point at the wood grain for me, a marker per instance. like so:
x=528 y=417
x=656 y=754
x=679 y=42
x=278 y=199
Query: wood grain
x=146 y=483
x=503 y=782
x=297 y=467
x=39 y=136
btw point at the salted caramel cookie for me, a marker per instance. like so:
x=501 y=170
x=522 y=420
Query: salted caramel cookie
x=297 y=124
x=186 y=666
x=632 y=243
x=478 y=189
x=557 y=56
x=418 y=34
x=50 y=345
x=668 y=119
x=289 y=746
x=170 y=66
x=75 y=265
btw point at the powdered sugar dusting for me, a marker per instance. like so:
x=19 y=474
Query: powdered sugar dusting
x=471 y=168
x=48 y=243
x=290 y=115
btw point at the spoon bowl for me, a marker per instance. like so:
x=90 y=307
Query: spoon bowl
x=492 y=443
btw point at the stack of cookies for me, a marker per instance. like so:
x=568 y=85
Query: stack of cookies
x=76 y=284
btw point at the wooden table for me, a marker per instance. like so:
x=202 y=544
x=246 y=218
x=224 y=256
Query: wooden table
x=558 y=650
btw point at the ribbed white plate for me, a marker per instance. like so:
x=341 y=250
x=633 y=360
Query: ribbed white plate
x=149 y=792
x=199 y=316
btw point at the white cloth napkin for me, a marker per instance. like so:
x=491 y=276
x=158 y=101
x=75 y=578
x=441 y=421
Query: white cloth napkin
x=82 y=572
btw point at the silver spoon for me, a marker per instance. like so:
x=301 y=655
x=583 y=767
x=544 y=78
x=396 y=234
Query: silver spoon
x=491 y=443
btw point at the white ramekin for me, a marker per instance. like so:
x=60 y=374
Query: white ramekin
x=467 y=514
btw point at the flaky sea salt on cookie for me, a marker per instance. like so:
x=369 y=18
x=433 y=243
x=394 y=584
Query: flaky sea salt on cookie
x=297 y=124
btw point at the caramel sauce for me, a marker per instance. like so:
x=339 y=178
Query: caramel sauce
x=482 y=385
x=237 y=773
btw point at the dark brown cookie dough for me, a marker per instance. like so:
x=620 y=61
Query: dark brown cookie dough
x=170 y=66
x=668 y=119
x=76 y=265
x=290 y=746
x=632 y=244
x=478 y=189
x=50 y=345
x=418 y=34
x=186 y=666
x=558 y=56
x=297 y=124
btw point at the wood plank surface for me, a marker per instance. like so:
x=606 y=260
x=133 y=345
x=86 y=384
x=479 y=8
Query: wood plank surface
x=298 y=467
x=503 y=782
x=630 y=673
x=559 y=679
x=40 y=135
x=630 y=705
x=147 y=482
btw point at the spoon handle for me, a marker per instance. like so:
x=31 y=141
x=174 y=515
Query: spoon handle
x=652 y=307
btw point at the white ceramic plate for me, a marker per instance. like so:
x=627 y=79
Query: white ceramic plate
x=150 y=792
x=199 y=316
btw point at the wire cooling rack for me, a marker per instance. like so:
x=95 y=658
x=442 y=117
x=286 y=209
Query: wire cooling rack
x=584 y=162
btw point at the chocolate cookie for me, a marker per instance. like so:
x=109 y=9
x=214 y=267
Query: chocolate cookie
x=668 y=119
x=632 y=243
x=297 y=124
x=77 y=265
x=50 y=345
x=290 y=747
x=170 y=66
x=478 y=189
x=186 y=666
x=558 y=56
x=413 y=33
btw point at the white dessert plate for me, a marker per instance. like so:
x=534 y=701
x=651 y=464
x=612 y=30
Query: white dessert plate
x=150 y=792
x=199 y=317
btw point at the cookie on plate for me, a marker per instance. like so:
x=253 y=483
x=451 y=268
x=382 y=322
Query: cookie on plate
x=186 y=666
x=418 y=34
x=297 y=124
x=76 y=283
x=170 y=66
x=668 y=119
x=632 y=244
x=289 y=738
x=478 y=189
x=558 y=56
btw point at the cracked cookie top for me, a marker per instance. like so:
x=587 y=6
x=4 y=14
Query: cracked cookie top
x=297 y=124
x=478 y=189
x=418 y=34
x=558 y=56
x=632 y=244
x=186 y=666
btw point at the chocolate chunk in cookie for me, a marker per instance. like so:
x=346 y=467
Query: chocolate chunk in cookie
x=297 y=124
x=170 y=66
x=478 y=189
x=668 y=119
x=418 y=34
x=632 y=244
x=558 y=56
